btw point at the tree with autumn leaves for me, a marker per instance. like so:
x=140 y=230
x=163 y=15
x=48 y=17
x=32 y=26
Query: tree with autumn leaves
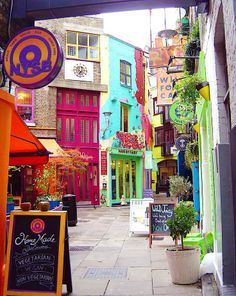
x=51 y=178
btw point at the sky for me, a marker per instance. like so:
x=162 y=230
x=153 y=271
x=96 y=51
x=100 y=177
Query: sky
x=134 y=26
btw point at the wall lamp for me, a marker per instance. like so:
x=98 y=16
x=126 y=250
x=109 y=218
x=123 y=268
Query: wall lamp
x=107 y=115
x=204 y=90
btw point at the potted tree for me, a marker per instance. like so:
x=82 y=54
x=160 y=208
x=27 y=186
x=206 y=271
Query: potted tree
x=183 y=261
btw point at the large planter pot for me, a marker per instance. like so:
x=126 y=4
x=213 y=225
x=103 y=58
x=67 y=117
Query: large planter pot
x=184 y=265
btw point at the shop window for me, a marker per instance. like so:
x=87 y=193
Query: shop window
x=83 y=46
x=125 y=73
x=159 y=136
x=124 y=118
x=25 y=104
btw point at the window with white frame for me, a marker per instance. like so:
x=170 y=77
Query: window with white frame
x=82 y=46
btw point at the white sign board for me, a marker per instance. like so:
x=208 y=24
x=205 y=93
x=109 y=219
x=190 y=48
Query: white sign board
x=78 y=70
x=139 y=220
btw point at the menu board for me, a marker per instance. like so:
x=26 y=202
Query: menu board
x=139 y=221
x=159 y=213
x=35 y=253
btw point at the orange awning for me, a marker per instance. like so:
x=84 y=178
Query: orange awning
x=25 y=148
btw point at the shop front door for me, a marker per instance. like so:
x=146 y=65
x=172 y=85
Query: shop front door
x=86 y=185
x=123 y=180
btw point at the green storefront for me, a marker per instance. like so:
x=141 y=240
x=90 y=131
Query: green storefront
x=126 y=176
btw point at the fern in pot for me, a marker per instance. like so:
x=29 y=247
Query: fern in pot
x=184 y=262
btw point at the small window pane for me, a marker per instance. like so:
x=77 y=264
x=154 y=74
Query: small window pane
x=122 y=78
x=67 y=99
x=93 y=40
x=82 y=100
x=25 y=112
x=83 y=52
x=83 y=39
x=122 y=67
x=87 y=101
x=24 y=97
x=71 y=51
x=59 y=98
x=71 y=37
x=72 y=130
x=59 y=129
x=87 y=131
x=93 y=53
x=95 y=101
x=72 y=99
x=95 y=131
x=82 y=131
x=128 y=81
x=67 y=130
x=128 y=69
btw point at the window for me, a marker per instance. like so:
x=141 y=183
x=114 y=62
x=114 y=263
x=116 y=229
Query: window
x=70 y=130
x=159 y=136
x=58 y=129
x=124 y=118
x=24 y=103
x=125 y=73
x=82 y=46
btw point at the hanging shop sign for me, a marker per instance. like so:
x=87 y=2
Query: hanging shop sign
x=165 y=89
x=32 y=58
x=181 y=113
x=181 y=143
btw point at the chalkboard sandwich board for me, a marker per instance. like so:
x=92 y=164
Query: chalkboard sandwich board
x=159 y=213
x=35 y=253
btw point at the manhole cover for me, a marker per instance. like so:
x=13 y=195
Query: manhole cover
x=106 y=273
x=80 y=248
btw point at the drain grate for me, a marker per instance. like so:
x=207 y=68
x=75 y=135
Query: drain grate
x=80 y=248
x=106 y=273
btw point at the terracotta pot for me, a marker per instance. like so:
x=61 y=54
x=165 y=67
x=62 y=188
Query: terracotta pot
x=44 y=206
x=25 y=206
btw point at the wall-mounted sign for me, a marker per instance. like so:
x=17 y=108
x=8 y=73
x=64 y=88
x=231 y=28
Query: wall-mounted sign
x=181 y=143
x=32 y=58
x=181 y=113
x=103 y=163
x=78 y=70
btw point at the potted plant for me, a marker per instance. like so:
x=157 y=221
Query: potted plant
x=191 y=153
x=183 y=261
x=180 y=187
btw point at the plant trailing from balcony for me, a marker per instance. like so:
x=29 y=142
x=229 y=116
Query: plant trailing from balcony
x=191 y=153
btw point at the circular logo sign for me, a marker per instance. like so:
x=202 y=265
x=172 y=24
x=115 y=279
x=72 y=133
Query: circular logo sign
x=32 y=58
x=37 y=225
x=181 y=113
x=181 y=143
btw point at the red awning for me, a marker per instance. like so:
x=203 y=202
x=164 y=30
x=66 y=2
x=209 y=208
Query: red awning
x=25 y=148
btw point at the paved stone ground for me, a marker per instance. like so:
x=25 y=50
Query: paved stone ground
x=107 y=260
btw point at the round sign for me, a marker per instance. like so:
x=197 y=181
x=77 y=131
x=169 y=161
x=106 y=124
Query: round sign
x=181 y=113
x=181 y=143
x=32 y=58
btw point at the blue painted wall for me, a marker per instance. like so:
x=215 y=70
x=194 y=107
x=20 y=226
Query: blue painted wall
x=117 y=93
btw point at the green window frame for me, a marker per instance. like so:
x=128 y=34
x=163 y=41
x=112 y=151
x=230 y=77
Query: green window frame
x=82 y=46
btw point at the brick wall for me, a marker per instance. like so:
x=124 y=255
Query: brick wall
x=45 y=104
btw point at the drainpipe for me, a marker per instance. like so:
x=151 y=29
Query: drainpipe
x=6 y=107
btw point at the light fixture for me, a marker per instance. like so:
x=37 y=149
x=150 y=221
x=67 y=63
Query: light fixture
x=107 y=115
x=204 y=90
